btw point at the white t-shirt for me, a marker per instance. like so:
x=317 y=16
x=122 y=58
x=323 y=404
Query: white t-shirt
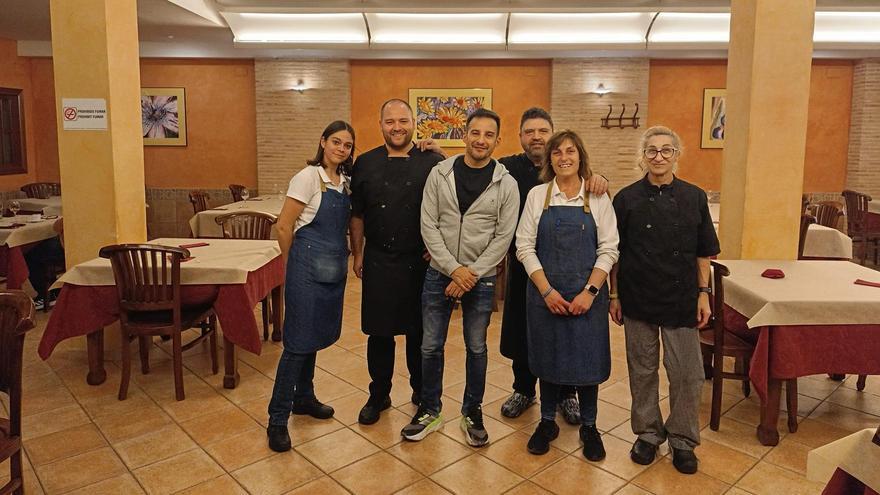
x=305 y=187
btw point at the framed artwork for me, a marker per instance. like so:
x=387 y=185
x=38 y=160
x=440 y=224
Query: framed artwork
x=441 y=114
x=163 y=116
x=714 y=117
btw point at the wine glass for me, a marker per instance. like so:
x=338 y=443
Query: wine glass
x=245 y=194
x=14 y=207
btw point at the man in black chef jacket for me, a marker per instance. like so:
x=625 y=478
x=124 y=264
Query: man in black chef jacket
x=386 y=198
x=535 y=129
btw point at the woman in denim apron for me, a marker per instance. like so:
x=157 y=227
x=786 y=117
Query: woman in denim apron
x=567 y=241
x=312 y=233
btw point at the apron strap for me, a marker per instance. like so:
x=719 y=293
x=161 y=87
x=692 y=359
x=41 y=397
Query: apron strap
x=323 y=187
x=550 y=194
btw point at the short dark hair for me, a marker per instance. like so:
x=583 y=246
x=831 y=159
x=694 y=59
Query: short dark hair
x=535 y=113
x=482 y=113
x=393 y=100
x=333 y=128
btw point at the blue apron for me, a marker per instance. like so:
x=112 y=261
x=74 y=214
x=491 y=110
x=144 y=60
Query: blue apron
x=568 y=350
x=316 y=273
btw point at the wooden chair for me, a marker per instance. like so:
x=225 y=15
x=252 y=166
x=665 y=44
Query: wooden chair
x=805 y=204
x=806 y=221
x=828 y=213
x=716 y=342
x=199 y=200
x=17 y=316
x=148 y=286
x=41 y=190
x=857 y=225
x=236 y=190
x=250 y=225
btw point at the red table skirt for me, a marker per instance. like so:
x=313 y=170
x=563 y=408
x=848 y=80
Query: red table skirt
x=791 y=351
x=843 y=483
x=83 y=309
x=13 y=266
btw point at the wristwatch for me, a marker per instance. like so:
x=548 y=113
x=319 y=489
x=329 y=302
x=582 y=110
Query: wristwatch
x=707 y=290
x=592 y=289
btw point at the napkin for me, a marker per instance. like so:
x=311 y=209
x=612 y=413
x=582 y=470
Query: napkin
x=865 y=282
x=773 y=273
x=194 y=245
x=224 y=209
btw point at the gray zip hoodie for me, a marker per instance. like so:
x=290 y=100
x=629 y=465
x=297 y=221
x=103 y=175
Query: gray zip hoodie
x=478 y=239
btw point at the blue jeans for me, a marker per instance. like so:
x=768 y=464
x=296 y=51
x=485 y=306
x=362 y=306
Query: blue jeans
x=476 y=307
x=588 y=398
x=293 y=382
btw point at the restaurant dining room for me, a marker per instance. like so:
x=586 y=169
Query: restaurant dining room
x=256 y=246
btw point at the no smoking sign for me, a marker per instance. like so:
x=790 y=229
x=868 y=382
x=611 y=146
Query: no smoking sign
x=69 y=113
x=84 y=114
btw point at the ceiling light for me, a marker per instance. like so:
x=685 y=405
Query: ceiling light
x=345 y=28
x=847 y=27
x=578 y=28
x=437 y=29
x=690 y=27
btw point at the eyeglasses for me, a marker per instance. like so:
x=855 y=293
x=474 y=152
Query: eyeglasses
x=652 y=153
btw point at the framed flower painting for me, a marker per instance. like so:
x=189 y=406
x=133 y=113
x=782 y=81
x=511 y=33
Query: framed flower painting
x=163 y=116
x=441 y=114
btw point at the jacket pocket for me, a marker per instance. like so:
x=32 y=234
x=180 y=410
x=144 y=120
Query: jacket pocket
x=327 y=268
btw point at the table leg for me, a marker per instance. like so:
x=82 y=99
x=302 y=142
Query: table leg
x=95 y=344
x=277 y=313
x=230 y=364
x=767 y=433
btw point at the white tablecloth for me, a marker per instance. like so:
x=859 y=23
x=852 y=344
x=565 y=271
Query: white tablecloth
x=27 y=233
x=812 y=293
x=204 y=225
x=856 y=454
x=874 y=206
x=222 y=261
x=48 y=206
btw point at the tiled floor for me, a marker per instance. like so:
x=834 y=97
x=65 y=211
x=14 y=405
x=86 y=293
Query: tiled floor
x=81 y=439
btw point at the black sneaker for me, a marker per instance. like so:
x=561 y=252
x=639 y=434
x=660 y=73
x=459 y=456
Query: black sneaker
x=570 y=409
x=472 y=426
x=423 y=423
x=312 y=407
x=516 y=404
x=370 y=412
x=594 y=449
x=685 y=461
x=279 y=438
x=416 y=398
x=39 y=304
x=546 y=432
x=643 y=452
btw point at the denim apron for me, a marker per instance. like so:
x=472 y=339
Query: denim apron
x=568 y=350
x=316 y=273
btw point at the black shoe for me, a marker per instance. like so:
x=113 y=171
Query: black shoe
x=416 y=399
x=643 y=452
x=370 y=412
x=312 y=407
x=594 y=449
x=279 y=439
x=472 y=425
x=685 y=461
x=546 y=432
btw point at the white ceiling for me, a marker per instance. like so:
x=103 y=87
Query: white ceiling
x=451 y=29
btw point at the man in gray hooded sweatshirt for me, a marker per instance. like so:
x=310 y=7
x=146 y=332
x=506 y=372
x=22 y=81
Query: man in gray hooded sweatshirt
x=469 y=213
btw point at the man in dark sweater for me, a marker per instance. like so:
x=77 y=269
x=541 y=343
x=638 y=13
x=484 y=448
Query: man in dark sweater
x=535 y=129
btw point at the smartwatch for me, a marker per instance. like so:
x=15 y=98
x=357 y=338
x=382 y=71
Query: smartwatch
x=592 y=289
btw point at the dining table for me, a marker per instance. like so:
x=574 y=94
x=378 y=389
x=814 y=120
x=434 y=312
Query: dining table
x=17 y=235
x=821 y=317
x=204 y=224
x=848 y=466
x=231 y=274
x=45 y=206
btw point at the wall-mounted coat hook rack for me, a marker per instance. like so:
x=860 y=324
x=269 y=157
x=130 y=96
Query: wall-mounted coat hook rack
x=620 y=121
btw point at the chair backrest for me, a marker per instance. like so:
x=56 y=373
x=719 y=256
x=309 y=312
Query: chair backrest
x=805 y=203
x=719 y=271
x=247 y=225
x=806 y=221
x=199 y=200
x=856 y=210
x=147 y=276
x=828 y=213
x=41 y=190
x=236 y=190
x=17 y=315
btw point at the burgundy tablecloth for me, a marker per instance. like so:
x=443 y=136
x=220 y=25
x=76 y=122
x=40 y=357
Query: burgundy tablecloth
x=13 y=266
x=83 y=309
x=792 y=351
x=843 y=483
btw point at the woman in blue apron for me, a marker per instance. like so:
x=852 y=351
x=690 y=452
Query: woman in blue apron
x=567 y=241
x=312 y=234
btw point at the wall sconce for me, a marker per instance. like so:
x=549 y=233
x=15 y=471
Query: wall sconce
x=300 y=87
x=601 y=90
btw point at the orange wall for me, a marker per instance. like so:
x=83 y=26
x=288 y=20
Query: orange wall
x=675 y=99
x=15 y=72
x=221 y=124
x=516 y=85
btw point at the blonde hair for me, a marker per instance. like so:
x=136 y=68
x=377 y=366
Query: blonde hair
x=658 y=130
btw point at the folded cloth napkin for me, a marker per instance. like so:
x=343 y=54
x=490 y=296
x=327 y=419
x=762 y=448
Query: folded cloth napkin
x=865 y=282
x=194 y=245
x=773 y=273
